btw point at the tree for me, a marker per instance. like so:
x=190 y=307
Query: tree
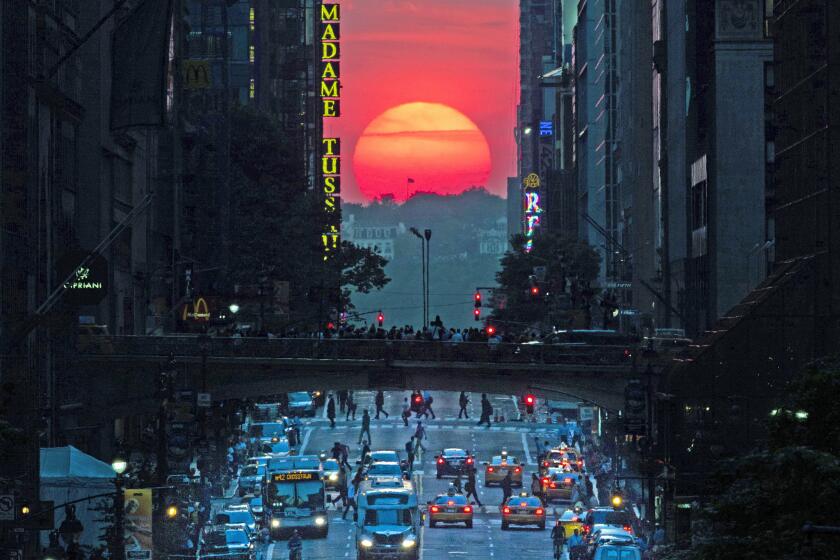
x=565 y=260
x=764 y=498
x=362 y=270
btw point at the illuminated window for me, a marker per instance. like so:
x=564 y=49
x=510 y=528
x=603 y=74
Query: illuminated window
x=252 y=88
x=251 y=52
x=251 y=18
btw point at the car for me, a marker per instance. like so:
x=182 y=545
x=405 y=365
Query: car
x=609 y=534
x=555 y=458
x=256 y=506
x=384 y=469
x=453 y=462
x=301 y=403
x=333 y=474
x=277 y=447
x=318 y=397
x=230 y=541
x=572 y=459
x=594 y=518
x=571 y=522
x=557 y=484
x=618 y=551
x=450 y=508
x=264 y=432
x=523 y=509
x=239 y=514
x=499 y=465
x=381 y=455
x=250 y=479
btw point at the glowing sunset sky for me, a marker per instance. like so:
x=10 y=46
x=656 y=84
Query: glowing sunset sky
x=460 y=53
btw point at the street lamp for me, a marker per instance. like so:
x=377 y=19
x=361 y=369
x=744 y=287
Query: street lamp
x=119 y=465
x=422 y=267
x=234 y=308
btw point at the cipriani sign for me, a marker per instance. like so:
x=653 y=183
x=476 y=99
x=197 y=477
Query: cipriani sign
x=330 y=95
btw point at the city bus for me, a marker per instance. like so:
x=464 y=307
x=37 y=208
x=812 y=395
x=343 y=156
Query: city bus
x=389 y=520
x=294 y=497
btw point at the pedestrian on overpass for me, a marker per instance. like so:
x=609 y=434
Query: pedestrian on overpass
x=463 y=401
x=331 y=411
x=365 y=427
x=379 y=401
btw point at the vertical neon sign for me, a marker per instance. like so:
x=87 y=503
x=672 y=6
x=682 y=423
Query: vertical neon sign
x=533 y=210
x=329 y=91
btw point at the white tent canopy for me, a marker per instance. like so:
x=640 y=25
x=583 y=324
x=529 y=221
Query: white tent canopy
x=67 y=474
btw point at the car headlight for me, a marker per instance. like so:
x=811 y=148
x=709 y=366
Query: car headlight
x=408 y=543
x=366 y=542
x=275 y=523
x=320 y=521
x=333 y=477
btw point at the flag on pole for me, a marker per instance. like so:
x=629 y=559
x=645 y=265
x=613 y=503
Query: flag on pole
x=140 y=52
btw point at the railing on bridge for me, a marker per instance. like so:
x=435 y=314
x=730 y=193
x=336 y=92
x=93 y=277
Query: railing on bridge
x=352 y=349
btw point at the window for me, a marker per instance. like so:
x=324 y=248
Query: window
x=251 y=53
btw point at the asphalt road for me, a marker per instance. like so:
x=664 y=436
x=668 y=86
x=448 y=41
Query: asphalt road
x=485 y=540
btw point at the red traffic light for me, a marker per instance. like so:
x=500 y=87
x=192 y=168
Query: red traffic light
x=477 y=314
x=530 y=400
x=477 y=298
x=491 y=330
x=380 y=318
x=535 y=290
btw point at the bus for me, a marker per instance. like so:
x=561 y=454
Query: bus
x=294 y=497
x=389 y=520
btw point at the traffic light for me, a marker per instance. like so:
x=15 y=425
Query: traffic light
x=616 y=499
x=477 y=314
x=380 y=318
x=530 y=401
x=491 y=330
x=534 y=289
x=477 y=299
x=172 y=511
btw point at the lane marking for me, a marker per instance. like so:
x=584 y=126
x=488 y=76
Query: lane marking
x=528 y=458
x=306 y=440
x=269 y=552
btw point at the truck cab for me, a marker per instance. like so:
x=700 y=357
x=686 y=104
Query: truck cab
x=293 y=497
x=389 y=520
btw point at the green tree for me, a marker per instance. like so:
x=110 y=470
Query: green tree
x=565 y=260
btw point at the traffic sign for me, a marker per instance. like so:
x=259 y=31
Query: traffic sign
x=7 y=507
x=203 y=400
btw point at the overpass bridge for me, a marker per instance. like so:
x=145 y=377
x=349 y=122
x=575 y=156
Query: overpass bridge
x=124 y=368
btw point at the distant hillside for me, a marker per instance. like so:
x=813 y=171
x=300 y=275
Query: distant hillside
x=459 y=224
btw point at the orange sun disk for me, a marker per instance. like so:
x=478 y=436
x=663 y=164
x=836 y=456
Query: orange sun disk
x=438 y=147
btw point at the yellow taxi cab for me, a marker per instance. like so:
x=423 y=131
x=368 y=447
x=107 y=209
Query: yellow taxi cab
x=451 y=508
x=571 y=521
x=523 y=509
x=557 y=484
x=559 y=458
x=499 y=465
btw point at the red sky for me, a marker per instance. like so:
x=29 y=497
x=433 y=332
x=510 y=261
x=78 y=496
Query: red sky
x=462 y=53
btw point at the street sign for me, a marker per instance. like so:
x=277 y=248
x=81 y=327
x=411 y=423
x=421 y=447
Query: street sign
x=585 y=413
x=141 y=554
x=7 y=507
x=203 y=400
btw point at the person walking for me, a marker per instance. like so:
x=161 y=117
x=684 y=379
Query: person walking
x=365 y=450
x=471 y=487
x=342 y=401
x=365 y=427
x=558 y=537
x=331 y=411
x=352 y=488
x=409 y=454
x=427 y=401
x=419 y=436
x=486 y=410
x=536 y=487
x=463 y=401
x=344 y=456
x=507 y=487
x=351 y=406
x=406 y=412
x=342 y=493
x=379 y=401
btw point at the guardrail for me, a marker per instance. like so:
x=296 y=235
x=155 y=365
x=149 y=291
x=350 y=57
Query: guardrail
x=351 y=349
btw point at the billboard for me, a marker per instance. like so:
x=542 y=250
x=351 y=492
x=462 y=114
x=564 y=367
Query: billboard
x=138 y=523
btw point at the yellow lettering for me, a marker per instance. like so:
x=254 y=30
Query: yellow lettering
x=329 y=71
x=329 y=185
x=329 y=12
x=329 y=89
x=329 y=165
x=330 y=108
x=330 y=144
x=329 y=51
x=330 y=204
x=329 y=33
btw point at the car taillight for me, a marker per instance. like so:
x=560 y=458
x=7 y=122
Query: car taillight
x=545 y=481
x=440 y=461
x=554 y=485
x=545 y=463
x=469 y=460
x=586 y=528
x=567 y=482
x=506 y=510
x=517 y=470
x=628 y=528
x=539 y=511
x=435 y=509
x=580 y=463
x=490 y=469
x=467 y=509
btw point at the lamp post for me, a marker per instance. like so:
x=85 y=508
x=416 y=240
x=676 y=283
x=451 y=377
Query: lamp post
x=427 y=234
x=422 y=267
x=118 y=541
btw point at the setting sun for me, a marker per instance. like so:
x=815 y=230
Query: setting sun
x=420 y=147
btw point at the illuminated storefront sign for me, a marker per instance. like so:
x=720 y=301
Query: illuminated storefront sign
x=83 y=284
x=329 y=91
x=546 y=128
x=197 y=311
x=533 y=210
